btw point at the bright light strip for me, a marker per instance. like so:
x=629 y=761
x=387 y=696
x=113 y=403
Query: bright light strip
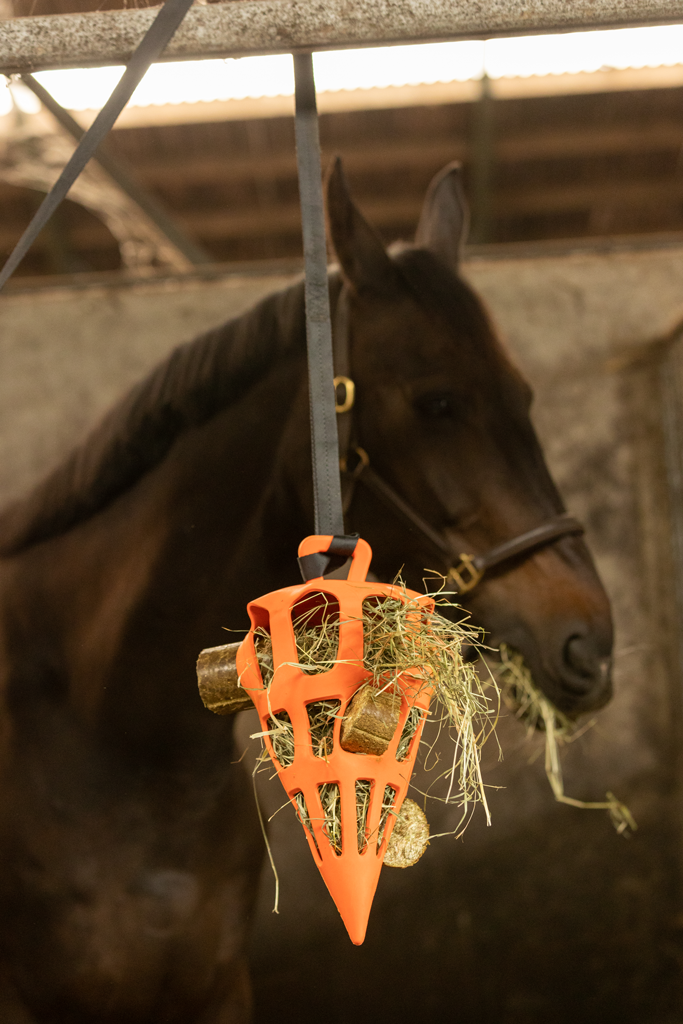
x=376 y=68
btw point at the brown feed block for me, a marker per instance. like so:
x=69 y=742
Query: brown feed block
x=218 y=681
x=370 y=721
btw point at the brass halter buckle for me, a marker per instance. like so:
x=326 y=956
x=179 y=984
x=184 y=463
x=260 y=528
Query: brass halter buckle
x=363 y=460
x=465 y=574
x=349 y=394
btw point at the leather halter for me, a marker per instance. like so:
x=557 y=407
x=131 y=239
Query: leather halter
x=471 y=567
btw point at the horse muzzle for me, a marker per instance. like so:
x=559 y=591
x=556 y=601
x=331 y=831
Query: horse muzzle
x=571 y=662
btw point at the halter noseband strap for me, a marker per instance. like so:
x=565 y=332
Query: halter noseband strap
x=467 y=574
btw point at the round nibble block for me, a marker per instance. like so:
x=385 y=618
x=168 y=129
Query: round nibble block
x=410 y=837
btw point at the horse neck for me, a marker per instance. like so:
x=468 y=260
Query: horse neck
x=124 y=602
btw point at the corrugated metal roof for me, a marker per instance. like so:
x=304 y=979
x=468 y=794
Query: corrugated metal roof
x=546 y=57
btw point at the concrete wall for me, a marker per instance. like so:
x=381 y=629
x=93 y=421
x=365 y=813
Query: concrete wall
x=546 y=916
x=67 y=354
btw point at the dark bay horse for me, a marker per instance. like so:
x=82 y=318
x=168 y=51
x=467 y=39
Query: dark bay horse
x=129 y=845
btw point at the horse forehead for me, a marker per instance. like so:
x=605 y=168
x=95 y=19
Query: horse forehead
x=403 y=337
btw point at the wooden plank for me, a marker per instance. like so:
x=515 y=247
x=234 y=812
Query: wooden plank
x=173 y=170
x=390 y=214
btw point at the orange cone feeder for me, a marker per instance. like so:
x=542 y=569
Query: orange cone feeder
x=350 y=867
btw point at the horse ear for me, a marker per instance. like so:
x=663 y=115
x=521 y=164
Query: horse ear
x=445 y=217
x=362 y=257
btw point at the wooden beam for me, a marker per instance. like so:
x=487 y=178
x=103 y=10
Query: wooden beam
x=390 y=214
x=281 y=26
x=196 y=168
x=579 y=143
x=570 y=198
x=573 y=143
x=286 y=219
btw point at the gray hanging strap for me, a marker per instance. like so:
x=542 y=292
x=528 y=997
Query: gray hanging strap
x=329 y=517
x=151 y=46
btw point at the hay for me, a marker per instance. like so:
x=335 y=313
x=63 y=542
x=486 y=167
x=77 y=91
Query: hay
x=414 y=718
x=322 y=714
x=402 y=638
x=363 y=791
x=301 y=807
x=282 y=738
x=330 y=798
x=531 y=706
x=264 y=655
x=387 y=809
x=316 y=633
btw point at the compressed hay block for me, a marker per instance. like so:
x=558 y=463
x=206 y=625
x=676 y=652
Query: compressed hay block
x=410 y=837
x=218 y=681
x=370 y=721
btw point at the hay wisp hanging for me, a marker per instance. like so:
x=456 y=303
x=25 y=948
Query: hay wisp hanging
x=533 y=708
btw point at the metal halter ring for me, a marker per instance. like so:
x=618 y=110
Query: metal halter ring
x=349 y=394
x=472 y=574
x=363 y=462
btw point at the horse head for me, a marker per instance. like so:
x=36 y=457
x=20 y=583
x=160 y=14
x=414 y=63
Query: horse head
x=442 y=414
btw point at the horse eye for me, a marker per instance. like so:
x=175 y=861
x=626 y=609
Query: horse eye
x=437 y=405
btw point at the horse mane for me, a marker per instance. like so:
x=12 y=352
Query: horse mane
x=198 y=380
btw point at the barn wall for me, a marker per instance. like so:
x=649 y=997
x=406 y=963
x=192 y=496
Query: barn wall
x=547 y=915
x=67 y=354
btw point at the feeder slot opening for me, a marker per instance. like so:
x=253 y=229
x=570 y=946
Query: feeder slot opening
x=387 y=809
x=384 y=635
x=281 y=735
x=263 y=645
x=397 y=640
x=409 y=729
x=372 y=622
x=315 y=620
x=330 y=798
x=302 y=809
x=322 y=715
x=363 y=791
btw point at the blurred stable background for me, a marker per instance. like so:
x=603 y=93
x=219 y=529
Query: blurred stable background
x=573 y=155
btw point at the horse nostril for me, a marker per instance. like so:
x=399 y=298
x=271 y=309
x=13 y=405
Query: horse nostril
x=588 y=668
x=580 y=656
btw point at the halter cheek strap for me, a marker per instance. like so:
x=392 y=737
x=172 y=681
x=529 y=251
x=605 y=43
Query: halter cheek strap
x=470 y=569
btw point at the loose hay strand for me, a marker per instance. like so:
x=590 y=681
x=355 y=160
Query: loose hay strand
x=276 y=900
x=363 y=791
x=533 y=707
x=403 y=638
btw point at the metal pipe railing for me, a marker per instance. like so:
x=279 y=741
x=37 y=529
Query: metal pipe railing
x=281 y=26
